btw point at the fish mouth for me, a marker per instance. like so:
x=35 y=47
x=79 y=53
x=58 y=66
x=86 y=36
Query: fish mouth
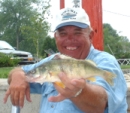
x=71 y=48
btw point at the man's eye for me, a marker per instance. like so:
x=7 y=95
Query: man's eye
x=63 y=34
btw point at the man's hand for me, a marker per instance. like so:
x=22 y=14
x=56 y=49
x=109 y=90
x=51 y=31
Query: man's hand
x=71 y=88
x=92 y=99
x=18 y=89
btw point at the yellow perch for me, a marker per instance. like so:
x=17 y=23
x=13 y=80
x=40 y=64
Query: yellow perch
x=74 y=68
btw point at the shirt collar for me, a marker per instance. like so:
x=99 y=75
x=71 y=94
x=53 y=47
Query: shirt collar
x=90 y=52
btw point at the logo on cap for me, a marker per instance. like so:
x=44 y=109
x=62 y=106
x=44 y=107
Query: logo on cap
x=68 y=14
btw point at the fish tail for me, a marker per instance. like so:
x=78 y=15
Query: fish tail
x=109 y=76
x=60 y=84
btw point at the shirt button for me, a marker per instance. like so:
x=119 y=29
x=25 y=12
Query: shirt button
x=52 y=106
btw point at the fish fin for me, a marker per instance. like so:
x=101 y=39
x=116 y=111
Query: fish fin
x=109 y=76
x=56 y=57
x=49 y=51
x=51 y=73
x=60 y=84
x=92 y=79
x=91 y=62
x=61 y=56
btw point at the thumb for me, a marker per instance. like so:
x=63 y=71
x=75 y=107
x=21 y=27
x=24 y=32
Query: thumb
x=6 y=96
x=57 y=98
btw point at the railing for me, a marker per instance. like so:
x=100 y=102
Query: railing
x=15 y=109
x=124 y=61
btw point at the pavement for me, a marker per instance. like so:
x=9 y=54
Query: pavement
x=29 y=107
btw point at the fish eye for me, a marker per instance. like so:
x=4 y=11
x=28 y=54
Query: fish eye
x=33 y=71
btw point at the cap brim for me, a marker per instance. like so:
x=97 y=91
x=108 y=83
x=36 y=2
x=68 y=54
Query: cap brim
x=78 y=24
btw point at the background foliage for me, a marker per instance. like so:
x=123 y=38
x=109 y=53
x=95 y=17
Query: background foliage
x=115 y=44
x=7 y=61
x=24 y=25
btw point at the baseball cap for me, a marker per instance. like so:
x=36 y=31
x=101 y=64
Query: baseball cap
x=71 y=16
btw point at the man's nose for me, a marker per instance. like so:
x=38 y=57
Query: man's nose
x=70 y=36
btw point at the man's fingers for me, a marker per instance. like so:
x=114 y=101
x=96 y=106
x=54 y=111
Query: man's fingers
x=12 y=97
x=28 y=95
x=63 y=78
x=79 y=83
x=21 y=99
x=72 y=84
x=16 y=98
x=57 y=98
x=6 y=96
x=66 y=92
x=66 y=81
x=18 y=87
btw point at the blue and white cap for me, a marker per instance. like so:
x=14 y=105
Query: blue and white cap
x=72 y=16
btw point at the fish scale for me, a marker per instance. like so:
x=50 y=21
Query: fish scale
x=73 y=68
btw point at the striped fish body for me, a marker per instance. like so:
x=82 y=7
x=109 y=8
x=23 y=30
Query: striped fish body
x=74 y=68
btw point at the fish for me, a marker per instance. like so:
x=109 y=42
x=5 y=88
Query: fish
x=73 y=68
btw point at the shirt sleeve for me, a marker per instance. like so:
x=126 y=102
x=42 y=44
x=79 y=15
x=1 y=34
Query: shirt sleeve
x=117 y=92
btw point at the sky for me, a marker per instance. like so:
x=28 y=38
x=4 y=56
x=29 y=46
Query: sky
x=115 y=12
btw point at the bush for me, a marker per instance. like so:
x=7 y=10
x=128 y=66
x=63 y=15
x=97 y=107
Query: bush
x=7 y=61
x=4 y=71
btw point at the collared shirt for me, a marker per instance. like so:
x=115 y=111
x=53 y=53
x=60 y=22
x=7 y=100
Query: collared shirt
x=116 y=94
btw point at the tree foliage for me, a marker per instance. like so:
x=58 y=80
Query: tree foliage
x=23 y=24
x=117 y=45
x=49 y=44
x=36 y=32
x=14 y=14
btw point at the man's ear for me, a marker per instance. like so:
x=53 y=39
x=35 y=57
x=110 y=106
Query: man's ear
x=55 y=35
x=91 y=35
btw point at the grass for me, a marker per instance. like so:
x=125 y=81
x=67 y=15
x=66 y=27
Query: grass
x=125 y=66
x=4 y=71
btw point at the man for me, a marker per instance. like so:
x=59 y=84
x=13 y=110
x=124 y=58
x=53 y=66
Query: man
x=73 y=35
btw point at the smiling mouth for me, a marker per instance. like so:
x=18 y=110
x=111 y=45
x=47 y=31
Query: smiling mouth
x=71 y=48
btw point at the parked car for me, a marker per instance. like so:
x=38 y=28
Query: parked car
x=25 y=57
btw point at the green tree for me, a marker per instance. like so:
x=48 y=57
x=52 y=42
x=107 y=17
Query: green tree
x=24 y=23
x=13 y=15
x=37 y=31
x=49 y=44
x=117 y=45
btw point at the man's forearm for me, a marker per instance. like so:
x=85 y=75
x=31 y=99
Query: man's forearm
x=93 y=99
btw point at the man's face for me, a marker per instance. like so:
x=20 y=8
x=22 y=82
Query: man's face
x=73 y=41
